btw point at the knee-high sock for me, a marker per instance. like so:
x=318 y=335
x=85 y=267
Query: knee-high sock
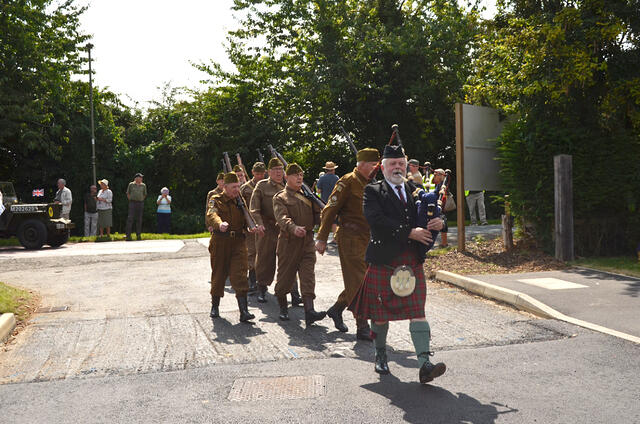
x=420 y=335
x=380 y=332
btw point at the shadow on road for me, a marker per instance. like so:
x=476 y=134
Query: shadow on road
x=632 y=284
x=427 y=403
x=239 y=333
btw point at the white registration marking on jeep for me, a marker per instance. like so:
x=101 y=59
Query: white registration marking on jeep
x=24 y=208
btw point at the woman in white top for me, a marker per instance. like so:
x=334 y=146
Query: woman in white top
x=164 y=211
x=105 y=207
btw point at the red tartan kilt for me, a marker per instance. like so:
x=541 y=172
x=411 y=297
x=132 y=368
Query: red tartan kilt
x=375 y=299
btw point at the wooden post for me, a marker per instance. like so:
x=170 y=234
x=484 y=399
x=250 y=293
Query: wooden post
x=563 y=183
x=507 y=225
x=460 y=178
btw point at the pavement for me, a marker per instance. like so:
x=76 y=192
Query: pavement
x=126 y=338
x=93 y=249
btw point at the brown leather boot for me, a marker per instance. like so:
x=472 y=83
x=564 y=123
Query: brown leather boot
x=310 y=314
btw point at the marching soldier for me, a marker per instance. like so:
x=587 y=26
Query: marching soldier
x=246 y=190
x=217 y=190
x=261 y=208
x=296 y=216
x=345 y=203
x=242 y=177
x=227 y=248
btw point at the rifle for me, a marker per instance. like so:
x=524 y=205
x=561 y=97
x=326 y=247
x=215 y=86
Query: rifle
x=239 y=160
x=260 y=157
x=240 y=200
x=395 y=134
x=308 y=193
x=224 y=167
x=351 y=145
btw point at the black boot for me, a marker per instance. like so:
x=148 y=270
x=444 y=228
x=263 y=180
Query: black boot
x=284 y=315
x=296 y=300
x=335 y=313
x=244 y=309
x=253 y=288
x=310 y=314
x=262 y=294
x=429 y=371
x=215 y=307
x=381 y=367
x=364 y=331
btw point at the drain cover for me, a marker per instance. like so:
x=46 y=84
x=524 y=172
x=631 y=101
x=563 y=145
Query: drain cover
x=277 y=388
x=48 y=309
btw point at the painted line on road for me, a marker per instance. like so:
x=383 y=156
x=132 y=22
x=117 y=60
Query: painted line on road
x=524 y=302
x=552 y=283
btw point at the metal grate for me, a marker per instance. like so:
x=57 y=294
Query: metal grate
x=277 y=388
x=48 y=309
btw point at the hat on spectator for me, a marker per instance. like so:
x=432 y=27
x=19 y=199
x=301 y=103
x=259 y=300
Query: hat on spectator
x=329 y=166
x=138 y=174
x=104 y=181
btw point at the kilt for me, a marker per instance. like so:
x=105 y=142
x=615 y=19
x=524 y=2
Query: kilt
x=375 y=299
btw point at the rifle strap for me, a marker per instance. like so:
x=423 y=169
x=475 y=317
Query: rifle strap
x=304 y=200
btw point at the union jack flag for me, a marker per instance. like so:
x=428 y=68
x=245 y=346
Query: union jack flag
x=39 y=192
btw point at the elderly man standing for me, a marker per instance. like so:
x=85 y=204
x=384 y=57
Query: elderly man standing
x=394 y=286
x=246 y=190
x=136 y=193
x=352 y=235
x=64 y=197
x=261 y=207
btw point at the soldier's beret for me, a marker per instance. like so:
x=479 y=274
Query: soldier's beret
x=294 y=168
x=220 y=176
x=392 y=152
x=258 y=167
x=274 y=162
x=368 y=155
x=238 y=168
x=230 y=178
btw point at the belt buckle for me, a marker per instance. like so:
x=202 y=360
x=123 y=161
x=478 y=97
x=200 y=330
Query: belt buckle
x=232 y=234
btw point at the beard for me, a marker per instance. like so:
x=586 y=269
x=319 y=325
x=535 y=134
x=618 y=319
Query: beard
x=396 y=176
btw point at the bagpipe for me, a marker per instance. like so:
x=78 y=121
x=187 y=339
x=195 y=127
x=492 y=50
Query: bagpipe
x=428 y=209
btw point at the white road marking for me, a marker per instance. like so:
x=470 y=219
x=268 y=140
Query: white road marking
x=90 y=249
x=204 y=241
x=552 y=283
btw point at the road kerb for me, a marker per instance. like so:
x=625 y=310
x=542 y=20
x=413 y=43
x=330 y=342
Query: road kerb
x=523 y=302
x=7 y=324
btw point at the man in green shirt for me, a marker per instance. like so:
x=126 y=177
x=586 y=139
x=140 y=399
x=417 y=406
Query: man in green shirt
x=136 y=193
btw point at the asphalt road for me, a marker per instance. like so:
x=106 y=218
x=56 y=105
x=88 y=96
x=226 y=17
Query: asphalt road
x=137 y=345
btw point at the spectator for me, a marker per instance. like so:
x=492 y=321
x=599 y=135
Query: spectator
x=136 y=193
x=414 y=170
x=64 y=198
x=105 y=207
x=476 y=198
x=315 y=183
x=1 y=203
x=91 y=212
x=327 y=181
x=164 y=211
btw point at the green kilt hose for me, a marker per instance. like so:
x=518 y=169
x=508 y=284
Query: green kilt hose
x=375 y=299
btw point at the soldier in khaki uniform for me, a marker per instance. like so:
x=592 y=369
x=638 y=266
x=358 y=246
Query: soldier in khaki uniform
x=246 y=190
x=261 y=207
x=345 y=203
x=217 y=190
x=227 y=247
x=296 y=216
x=242 y=177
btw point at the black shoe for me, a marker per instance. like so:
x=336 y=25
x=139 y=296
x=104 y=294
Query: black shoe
x=215 y=307
x=381 y=367
x=262 y=294
x=296 y=300
x=364 y=333
x=244 y=309
x=128 y=238
x=428 y=371
x=284 y=314
x=138 y=237
x=310 y=314
x=335 y=313
x=253 y=288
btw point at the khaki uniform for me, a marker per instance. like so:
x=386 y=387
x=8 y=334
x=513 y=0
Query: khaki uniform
x=246 y=191
x=352 y=236
x=295 y=254
x=216 y=190
x=261 y=208
x=228 y=250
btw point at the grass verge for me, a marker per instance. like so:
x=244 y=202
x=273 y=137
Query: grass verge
x=21 y=303
x=627 y=265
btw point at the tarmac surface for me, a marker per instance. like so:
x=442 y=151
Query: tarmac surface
x=136 y=344
x=602 y=298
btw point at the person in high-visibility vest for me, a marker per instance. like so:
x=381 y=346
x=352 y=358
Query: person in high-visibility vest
x=476 y=199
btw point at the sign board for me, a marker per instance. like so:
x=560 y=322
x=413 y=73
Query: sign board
x=480 y=127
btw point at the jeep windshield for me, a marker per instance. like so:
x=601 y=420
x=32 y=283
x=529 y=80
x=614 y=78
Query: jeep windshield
x=8 y=193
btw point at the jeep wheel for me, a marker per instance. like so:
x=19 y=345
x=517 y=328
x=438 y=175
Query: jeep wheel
x=32 y=234
x=58 y=239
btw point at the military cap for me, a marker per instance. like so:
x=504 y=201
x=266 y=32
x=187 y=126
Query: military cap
x=368 y=155
x=238 y=168
x=274 y=162
x=414 y=162
x=258 y=167
x=220 y=176
x=294 y=168
x=391 y=151
x=230 y=178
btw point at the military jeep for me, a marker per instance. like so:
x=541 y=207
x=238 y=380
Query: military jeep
x=35 y=224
